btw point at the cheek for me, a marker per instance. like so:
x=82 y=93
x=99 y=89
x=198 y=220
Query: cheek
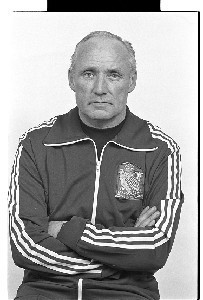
x=82 y=95
x=83 y=89
x=121 y=92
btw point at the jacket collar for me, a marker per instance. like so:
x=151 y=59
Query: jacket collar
x=135 y=133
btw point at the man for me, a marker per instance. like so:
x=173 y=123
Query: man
x=95 y=194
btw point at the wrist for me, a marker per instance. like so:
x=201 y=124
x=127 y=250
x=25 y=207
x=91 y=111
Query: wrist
x=71 y=231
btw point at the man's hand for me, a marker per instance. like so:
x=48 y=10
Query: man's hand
x=147 y=217
x=55 y=227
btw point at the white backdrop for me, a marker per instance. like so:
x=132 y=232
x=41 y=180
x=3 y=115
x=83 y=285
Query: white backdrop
x=166 y=94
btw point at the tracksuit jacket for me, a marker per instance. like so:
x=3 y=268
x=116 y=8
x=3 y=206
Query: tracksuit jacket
x=98 y=253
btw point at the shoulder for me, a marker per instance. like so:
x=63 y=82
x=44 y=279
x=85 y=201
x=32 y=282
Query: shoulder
x=38 y=132
x=162 y=139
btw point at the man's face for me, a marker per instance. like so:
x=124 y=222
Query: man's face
x=101 y=79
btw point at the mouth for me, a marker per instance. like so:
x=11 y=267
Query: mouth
x=100 y=103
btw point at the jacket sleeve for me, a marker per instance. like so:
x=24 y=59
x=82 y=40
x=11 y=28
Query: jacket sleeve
x=32 y=247
x=134 y=248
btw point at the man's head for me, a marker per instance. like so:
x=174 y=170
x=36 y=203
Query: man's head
x=102 y=73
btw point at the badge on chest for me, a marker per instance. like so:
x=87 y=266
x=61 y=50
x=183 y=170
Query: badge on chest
x=130 y=182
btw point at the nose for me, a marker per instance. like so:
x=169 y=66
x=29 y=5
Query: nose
x=100 y=85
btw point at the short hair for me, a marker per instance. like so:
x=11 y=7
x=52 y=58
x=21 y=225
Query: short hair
x=107 y=34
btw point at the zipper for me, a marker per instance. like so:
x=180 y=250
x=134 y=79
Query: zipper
x=80 y=289
x=96 y=185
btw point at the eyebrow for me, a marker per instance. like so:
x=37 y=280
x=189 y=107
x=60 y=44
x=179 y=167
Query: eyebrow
x=115 y=70
x=88 y=69
x=94 y=69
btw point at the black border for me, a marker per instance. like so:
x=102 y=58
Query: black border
x=198 y=229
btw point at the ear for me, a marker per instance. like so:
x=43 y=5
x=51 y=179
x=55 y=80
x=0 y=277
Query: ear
x=71 y=80
x=133 y=79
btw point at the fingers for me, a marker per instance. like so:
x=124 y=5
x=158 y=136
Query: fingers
x=147 y=211
x=54 y=227
x=150 y=219
x=147 y=217
x=152 y=223
x=144 y=210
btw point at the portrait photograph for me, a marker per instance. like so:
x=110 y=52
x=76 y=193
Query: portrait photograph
x=103 y=156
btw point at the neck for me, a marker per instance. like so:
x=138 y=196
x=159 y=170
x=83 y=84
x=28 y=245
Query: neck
x=102 y=123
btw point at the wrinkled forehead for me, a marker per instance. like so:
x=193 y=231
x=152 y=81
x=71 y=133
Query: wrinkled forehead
x=102 y=50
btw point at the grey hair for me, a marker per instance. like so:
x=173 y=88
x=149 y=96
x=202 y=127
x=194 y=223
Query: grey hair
x=107 y=34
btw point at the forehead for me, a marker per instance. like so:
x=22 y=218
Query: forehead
x=102 y=52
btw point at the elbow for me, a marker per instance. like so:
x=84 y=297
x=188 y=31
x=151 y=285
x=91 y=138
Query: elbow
x=153 y=263
x=18 y=258
x=18 y=262
x=152 y=260
x=160 y=262
x=160 y=257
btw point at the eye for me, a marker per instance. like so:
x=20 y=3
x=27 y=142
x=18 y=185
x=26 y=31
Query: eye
x=88 y=74
x=114 y=76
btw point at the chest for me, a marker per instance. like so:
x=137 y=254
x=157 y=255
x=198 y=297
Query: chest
x=109 y=191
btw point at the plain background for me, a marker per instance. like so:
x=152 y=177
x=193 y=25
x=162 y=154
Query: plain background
x=166 y=94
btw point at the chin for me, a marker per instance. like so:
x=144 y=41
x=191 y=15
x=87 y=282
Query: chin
x=100 y=115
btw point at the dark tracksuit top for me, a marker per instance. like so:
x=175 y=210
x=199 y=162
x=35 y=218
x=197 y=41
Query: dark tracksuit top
x=98 y=253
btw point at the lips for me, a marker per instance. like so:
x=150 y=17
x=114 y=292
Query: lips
x=100 y=102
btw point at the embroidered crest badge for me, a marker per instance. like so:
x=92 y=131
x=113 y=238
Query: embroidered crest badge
x=130 y=182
